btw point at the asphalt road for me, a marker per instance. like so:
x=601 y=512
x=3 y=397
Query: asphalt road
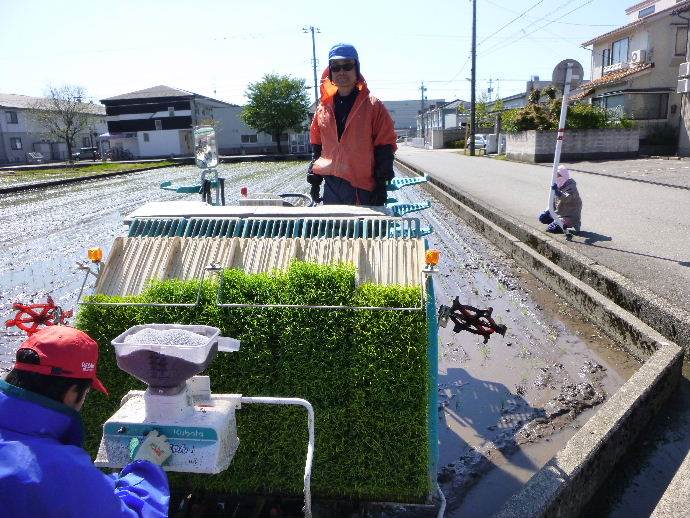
x=635 y=217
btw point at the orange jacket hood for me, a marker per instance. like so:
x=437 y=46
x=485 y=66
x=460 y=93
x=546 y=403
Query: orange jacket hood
x=328 y=89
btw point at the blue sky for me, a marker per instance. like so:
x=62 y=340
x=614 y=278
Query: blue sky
x=217 y=47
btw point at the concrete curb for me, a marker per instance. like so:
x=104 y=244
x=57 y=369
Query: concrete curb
x=676 y=499
x=65 y=181
x=669 y=320
x=569 y=480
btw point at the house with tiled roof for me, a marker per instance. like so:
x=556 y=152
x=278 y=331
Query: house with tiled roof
x=21 y=136
x=635 y=67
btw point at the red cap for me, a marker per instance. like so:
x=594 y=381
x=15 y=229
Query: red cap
x=63 y=351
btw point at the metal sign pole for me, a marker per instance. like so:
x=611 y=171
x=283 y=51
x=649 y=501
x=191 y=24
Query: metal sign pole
x=559 y=145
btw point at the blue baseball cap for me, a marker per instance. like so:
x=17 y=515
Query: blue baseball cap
x=343 y=51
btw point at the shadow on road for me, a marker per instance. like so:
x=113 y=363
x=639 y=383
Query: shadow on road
x=591 y=238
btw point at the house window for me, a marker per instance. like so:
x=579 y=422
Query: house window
x=614 y=103
x=247 y=139
x=648 y=106
x=646 y=11
x=85 y=142
x=11 y=117
x=159 y=125
x=619 y=51
x=681 y=40
x=283 y=137
x=605 y=58
x=15 y=143
x=146 y=137
x=171 y=111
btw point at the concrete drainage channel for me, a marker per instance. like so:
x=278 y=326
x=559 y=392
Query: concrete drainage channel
x=564 y=486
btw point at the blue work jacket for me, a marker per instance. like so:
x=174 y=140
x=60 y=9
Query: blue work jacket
x=45 y=472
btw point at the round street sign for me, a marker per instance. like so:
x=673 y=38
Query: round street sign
x=558 y=77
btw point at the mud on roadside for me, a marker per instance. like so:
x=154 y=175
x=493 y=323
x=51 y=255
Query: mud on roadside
x=521 y=396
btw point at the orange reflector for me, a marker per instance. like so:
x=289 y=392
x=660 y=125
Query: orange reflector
x=432 y=257
x=95 y=255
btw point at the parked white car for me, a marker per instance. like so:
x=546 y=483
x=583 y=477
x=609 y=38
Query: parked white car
x=479 y=141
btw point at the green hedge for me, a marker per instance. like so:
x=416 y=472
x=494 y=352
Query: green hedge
x=545 y=117
x=364 y=372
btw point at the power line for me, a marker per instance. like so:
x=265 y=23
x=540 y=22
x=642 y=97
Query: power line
x=555 y=21
x=500 y=46
x=517 y=34
x=523 y=13
x=542 y=18
x=461 y=69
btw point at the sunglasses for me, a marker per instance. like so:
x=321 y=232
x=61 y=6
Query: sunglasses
x=346 y=67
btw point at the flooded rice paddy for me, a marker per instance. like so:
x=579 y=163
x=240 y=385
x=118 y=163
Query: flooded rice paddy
x=505 y=407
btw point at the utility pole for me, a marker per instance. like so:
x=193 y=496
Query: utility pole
x=313 y=29
x=684 y=123
x=473 y=100
x=490 y=90
x=423 y=89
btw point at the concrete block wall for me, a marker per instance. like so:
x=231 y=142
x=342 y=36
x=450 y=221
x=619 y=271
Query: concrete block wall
x=540 y=146
x=451 y=135
x=436 y=141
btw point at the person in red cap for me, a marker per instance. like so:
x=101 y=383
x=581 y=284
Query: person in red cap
x=44 y=471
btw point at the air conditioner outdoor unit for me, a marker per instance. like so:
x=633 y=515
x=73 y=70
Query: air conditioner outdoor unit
x=683 y=86
x=638 y=57
x=684 y=70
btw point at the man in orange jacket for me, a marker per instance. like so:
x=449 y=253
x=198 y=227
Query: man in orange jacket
x=352 y=136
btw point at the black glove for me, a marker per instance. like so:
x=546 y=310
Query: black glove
x=380 y=194
x=314 y=179
x=383 y=163
x=315 y=155
x=315 y=191
x=556 y=190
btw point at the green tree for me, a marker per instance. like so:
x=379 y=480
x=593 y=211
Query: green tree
x=482 y=112
x=487 y=110
x=277 y=103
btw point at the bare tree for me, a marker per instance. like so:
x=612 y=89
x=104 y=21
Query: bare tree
x=62 y=114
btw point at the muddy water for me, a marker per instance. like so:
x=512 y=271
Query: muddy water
x=45 y=232
x=506 y=406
